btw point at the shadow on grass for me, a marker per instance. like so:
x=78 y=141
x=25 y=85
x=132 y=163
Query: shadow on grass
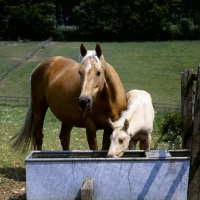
x=15 y=173
x=18 y=197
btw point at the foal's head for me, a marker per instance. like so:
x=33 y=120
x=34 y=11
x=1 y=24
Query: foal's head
x=119 y=139
x=92 y=76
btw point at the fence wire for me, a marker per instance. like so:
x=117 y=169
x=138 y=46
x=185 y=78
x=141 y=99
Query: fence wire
x=28 y=56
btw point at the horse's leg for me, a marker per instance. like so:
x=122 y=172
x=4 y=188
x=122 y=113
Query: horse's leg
x=65 y=136
x=132 y=144
x=106 y=139
x=39 y=115
x=91 y=137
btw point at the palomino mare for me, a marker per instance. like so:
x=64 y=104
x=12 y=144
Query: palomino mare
x=81 y=94
x=135 y=124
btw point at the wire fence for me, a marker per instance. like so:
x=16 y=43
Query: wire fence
x=24 y=101
x=29 y=55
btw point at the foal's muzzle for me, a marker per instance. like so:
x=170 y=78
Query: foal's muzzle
x=110 y=156
x=84 y=103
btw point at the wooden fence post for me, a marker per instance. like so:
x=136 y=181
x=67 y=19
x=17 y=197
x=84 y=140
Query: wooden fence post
x=187 y=107
x=194 y=173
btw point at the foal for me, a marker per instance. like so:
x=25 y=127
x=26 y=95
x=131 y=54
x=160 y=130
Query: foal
x=135 y=124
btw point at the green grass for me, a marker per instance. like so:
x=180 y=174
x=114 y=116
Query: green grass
x=11 y=52
x=152 y=66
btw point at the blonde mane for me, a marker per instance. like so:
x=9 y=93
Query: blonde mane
x=131 y=107
x=92 y=54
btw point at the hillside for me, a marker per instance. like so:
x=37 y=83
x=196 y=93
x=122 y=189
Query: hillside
x=152 y=66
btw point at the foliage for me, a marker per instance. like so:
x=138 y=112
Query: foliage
x=170 y=129
x=29 y=19
x=100 y=20
x=185 y=26
x=135 y=19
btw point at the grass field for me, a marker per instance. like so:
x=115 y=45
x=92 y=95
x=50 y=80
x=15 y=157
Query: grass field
x=153 y=66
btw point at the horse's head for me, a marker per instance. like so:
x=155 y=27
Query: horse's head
x=119 y=139
x=92 y=76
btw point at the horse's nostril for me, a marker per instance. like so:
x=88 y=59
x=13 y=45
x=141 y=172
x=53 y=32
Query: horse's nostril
x=83 y=102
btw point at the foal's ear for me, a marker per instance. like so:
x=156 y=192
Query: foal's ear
x=98 y=50
x=126 y=124
x=83 y=50
x=112 y=125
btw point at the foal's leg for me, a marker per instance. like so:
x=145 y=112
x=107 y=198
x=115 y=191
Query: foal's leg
x=65 y=136
x=39 y=115
x=132 y=144
x=147 y=142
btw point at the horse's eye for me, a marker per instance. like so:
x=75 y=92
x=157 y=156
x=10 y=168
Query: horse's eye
x=98 y=73
x=79 y=72
x=121 y=141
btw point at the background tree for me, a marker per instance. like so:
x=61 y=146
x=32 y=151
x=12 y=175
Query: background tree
x=127 y=19
x=30 y=19
x=100 y=19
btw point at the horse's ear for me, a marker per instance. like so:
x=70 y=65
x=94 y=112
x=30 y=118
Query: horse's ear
x=126 y=124
x=112 y=125
x=83 y=50
x=98 y=50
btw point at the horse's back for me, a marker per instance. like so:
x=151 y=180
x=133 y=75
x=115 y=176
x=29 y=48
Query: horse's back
x=57 y=82
x=51 y=69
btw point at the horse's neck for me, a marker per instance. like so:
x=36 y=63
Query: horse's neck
x=113 y=83
x=113 y=92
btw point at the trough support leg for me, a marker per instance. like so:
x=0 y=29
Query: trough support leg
x=87 y=191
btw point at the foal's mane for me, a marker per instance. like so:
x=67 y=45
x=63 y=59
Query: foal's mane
x=131 y=107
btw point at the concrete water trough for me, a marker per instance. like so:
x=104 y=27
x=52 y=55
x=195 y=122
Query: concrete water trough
x=150 y=175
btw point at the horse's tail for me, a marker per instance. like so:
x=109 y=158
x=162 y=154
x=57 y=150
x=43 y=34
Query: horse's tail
x=25 y=135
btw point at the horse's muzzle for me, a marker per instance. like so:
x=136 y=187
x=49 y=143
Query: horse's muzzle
x=84 y=103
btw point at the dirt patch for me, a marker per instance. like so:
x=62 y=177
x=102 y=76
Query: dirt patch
x=17 y=59
x=35 y=58
x=10 y=189
x=12 y=183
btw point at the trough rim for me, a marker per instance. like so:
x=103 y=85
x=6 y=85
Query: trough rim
x=149 y=156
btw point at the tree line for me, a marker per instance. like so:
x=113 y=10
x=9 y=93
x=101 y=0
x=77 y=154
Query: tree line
x=103 y=20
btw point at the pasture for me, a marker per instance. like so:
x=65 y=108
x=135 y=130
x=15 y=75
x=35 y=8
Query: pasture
x=151 y=66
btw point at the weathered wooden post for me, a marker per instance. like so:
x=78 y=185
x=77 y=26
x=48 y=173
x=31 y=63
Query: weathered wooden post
x=187 y=107
x=87 y=190
x=194 y=173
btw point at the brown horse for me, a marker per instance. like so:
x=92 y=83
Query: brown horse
x=84 y=94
